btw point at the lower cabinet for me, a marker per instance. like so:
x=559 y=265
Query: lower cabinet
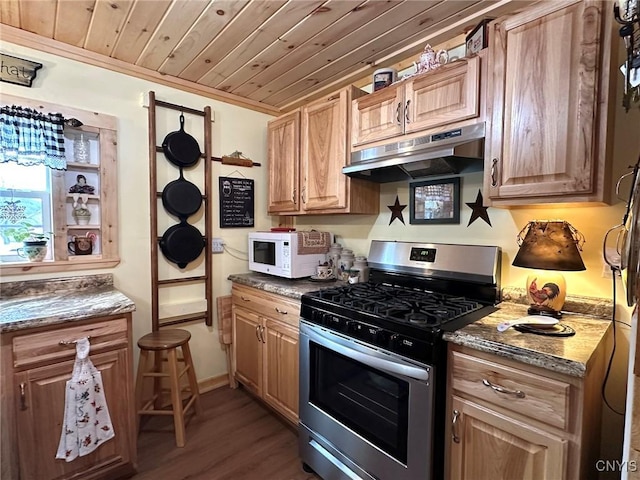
x=265 y=347
x=498 y=446
x=509 y=420
x=36 y=367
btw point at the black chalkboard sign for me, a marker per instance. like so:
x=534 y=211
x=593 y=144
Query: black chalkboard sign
x=237 y=202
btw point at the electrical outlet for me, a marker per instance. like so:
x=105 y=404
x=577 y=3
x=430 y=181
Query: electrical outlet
x=217 y=245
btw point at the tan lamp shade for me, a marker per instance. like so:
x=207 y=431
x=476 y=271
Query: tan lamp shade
x=544 y=246
x=550 y=245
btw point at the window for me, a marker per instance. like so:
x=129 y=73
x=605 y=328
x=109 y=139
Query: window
x=25 y=200
x=50 y=200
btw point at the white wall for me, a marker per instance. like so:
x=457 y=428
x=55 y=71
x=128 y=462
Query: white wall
x=71 y=83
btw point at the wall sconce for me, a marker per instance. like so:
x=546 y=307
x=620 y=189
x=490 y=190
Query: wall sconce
x=548 y=245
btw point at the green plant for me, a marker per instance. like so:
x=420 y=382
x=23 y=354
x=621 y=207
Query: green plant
x=25 y=232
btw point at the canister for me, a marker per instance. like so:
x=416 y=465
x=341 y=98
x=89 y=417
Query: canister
x=361 y=264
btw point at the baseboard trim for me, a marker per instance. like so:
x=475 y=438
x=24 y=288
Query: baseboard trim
x=211 y=383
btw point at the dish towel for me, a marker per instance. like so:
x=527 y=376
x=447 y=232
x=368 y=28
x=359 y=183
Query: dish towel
x=86 y=423
x=313 y=242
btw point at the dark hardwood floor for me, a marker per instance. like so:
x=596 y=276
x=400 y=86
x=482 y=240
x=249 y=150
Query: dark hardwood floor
x=237 y=439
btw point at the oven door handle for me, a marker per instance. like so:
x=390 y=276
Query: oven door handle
x=371 y=361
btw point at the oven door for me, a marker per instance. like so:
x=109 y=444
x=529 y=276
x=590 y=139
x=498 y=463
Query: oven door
x=363 y=410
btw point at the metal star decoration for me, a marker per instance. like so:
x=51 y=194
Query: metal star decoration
x=396 y=211
x=478 y=210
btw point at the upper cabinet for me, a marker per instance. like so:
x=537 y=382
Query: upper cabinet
x=440 y=98
x=549 y=92
x=307 y=150
x=283 y=137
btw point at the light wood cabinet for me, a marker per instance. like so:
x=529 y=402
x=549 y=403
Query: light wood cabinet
x=283 y=137
x=511 y=420
x=497 y=447
x=441 y=98
x=549 y=95
x=265 y=347
x=307 y=150
x=36 y=367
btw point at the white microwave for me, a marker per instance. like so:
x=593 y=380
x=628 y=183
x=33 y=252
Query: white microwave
x=276 y=253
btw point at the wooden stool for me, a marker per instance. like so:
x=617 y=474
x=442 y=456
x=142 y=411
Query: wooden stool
x=159 y=342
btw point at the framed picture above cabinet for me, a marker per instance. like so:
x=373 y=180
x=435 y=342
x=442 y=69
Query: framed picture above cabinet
x=71 y=207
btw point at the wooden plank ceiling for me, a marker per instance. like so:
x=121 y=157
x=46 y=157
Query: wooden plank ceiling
x=275 y=53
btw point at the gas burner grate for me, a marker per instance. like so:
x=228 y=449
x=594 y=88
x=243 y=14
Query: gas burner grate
x=418 y=308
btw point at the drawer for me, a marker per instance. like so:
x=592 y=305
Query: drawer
x=540 y=398
x=57 y=345
x=267 y=304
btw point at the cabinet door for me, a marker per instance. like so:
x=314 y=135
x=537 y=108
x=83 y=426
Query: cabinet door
x=247 y=349
x=284 y=160
x=324 y=153
x=493 y=446
x=281 y=368
x=543 y=66
x=377 y=116
x=447 y=95
x=40 y=414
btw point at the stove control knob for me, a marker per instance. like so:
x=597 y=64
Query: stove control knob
x=331 y=321
x=351 y=326
x=374 y=333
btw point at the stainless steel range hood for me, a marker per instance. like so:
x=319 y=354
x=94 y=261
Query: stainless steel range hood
x=452 y=152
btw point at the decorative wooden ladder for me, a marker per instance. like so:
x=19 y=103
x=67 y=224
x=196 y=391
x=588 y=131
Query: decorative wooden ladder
x=154 y=195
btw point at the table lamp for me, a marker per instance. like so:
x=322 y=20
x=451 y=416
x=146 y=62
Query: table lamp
x=549 y=247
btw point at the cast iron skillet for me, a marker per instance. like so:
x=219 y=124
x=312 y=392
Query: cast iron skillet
x=180 y=148
x=182 y=243
x=181 y=198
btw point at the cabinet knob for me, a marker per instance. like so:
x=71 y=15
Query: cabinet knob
x=494 y=172
x=501 y=389
x=454 y=427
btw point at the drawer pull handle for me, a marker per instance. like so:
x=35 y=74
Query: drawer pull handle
x=406 y=111
x=23 y=397
x=262 y=334
x=282 y=312
x=498 y=388
x=454 y=426
x=244 y=299
x=70 y=342
x=398 y=120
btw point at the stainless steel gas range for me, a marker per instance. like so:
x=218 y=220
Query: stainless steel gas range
x=373 y=362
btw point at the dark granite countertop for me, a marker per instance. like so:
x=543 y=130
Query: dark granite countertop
x=568 y=355
x=36 y=303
